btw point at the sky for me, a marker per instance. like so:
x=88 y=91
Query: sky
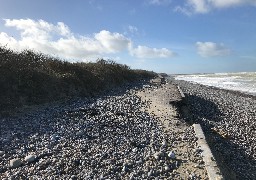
x=171 y=36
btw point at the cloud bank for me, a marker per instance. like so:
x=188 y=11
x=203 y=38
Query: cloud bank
x=211 y=49
x=205 y=6
x=59 y=40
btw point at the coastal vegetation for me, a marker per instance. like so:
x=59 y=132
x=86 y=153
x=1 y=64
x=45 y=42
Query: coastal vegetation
x=29 y=78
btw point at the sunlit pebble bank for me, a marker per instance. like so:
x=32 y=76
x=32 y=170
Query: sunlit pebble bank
x=87 y=139
x=231 y=114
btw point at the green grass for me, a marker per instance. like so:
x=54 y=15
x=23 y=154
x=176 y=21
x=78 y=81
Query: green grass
x=28 y=78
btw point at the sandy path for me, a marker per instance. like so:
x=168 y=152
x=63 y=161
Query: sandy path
x=179 y=135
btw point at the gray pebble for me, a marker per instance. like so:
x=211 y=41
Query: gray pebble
x=14 y=163
x=30 y=158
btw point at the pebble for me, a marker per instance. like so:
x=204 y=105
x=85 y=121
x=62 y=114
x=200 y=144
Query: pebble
x=124 y=169
x=197 y=166
x=131 y=176
x=73 y=177
x=30 y=158
x=164 y=143
x=14 y=163
x=167 y=168
x=171 y=155
x=79 y=133
x=150 y=173
x=197 y=150
x=139 y=162
x=158 y=155
x=1 y=153
x=192 y=176
x=134 y=150
x=54 y=137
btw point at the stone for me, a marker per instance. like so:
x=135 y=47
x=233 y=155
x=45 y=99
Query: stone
x=164 y=143
x=1 y=153
x=55 y=137
x=131 y=176
x=197 y=166
x=192 y=176
x=124 y=169
x=30 y=158
x=134 y=150
x=197 y=150
x=79 y=133
x=128 y=163
x=166 y=168
x=139 y=161
x=171 y=155
x=150 y=173
x=157 y=155
x=73 y=177
x=184 y=138
x=177 y=164
x=14 y=163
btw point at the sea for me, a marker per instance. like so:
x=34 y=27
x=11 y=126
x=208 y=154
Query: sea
x=244 y=82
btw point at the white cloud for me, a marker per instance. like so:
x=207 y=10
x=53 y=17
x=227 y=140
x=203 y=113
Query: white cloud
x=199 y=6
x=59 y=40
x=211 y=49
x=160 y=2
x=230 y=3
x=112 y=42
x=205 y=6
x=146 y=52
x=63 y=29
x=133 y=29
x=7 y=40
x=193 y=6
x=182 y=10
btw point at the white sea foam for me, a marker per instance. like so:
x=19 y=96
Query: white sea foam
x=244 y=82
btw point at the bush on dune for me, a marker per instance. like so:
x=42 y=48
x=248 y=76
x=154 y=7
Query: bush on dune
x=29 y=78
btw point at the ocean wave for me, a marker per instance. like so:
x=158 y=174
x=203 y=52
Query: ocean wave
x=243 y=82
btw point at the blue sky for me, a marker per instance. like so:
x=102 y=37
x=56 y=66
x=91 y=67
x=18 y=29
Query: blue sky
x=172 y=36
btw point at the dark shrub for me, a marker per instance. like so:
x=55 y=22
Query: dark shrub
x=28 y=78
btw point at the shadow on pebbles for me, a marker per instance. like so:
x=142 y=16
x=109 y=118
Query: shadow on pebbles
x=136 y=135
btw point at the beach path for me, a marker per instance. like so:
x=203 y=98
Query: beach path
x=179 y=135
